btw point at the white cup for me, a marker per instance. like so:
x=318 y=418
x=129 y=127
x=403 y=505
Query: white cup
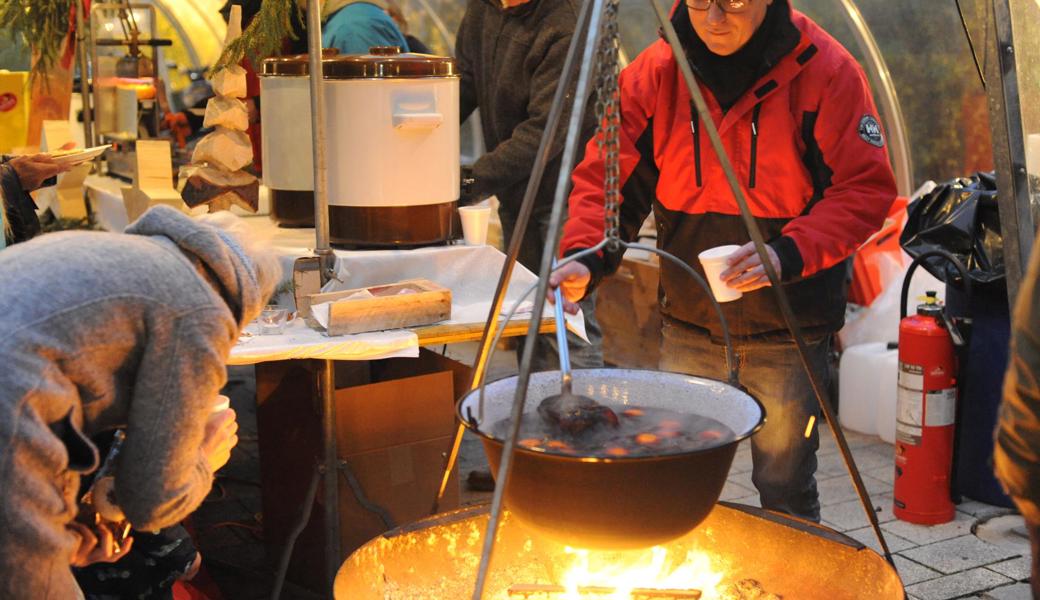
x=475 y=224
x=714 y=262
x=223 y=403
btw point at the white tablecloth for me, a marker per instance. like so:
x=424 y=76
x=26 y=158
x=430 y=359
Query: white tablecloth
x=470 y=272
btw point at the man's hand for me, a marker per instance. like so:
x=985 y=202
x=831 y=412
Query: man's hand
x=34 y=169
x=220 y=437
x=99 y=547
x=745 y=271
x=572 y=279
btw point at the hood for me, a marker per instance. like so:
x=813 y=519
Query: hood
x=245 y=287
x=332 y=6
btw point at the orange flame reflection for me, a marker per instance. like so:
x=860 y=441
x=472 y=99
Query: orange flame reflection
x=652 y=568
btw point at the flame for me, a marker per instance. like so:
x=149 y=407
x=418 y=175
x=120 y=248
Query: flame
x=652 y=568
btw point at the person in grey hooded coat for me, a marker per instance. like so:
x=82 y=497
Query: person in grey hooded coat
x=104 y=330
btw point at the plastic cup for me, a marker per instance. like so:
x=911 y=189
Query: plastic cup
x=475 y=224
x=714 y=262
x=272 y=320
x=223 y=403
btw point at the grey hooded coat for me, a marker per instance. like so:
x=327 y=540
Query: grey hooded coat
x=103 y=330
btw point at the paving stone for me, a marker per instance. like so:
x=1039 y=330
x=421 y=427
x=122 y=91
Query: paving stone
x=849 y=515
x=983 y=510
x=867 y=537
x=741 y=462
x=834 y=464
x=886 y=474
x=835 y=490
x=1017 y=591
x=752 y=500
x=1016 y=568
x=742 y=479
x=958 y=554
x=957 y=585
x=732 y=491
x=911 y=572
x=929 y=534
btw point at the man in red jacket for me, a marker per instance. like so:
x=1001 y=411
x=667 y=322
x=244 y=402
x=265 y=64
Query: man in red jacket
x=796 y=118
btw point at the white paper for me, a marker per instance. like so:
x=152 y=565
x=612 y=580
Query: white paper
x=300 y=341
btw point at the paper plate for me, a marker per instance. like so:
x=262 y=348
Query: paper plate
x=79 y=155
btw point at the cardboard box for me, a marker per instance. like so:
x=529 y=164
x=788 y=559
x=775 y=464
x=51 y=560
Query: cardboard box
x=394 y=425
x=628 y=313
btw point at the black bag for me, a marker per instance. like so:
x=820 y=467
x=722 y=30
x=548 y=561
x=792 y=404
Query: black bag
x=962 y=218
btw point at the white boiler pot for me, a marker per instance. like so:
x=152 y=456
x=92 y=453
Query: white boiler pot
x=393 y=148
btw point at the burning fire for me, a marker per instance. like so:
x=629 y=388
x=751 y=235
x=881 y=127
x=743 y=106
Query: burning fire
x=648 y=569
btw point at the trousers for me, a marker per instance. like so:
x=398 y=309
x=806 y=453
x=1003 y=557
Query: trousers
x=783 y=452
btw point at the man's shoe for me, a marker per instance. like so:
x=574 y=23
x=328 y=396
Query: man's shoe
x=480 y=481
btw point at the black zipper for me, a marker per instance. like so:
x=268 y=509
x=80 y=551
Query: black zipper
x=694 y=121
x=754 y=143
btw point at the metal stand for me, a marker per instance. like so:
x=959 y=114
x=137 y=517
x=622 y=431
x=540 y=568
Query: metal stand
x=591 y=37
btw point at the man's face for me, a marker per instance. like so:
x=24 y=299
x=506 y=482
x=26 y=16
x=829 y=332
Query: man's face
x=725 y=33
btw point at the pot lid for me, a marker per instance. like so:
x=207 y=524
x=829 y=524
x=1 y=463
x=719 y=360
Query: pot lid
x=382 y=62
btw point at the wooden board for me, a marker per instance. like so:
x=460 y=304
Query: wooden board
x=393 y=306
x=628 y=313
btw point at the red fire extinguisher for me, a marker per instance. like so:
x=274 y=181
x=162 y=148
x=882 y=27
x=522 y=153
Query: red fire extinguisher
x=926 y=414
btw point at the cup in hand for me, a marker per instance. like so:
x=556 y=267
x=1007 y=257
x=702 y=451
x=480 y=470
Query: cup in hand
x=223 y=403
x=714 y=262
x=475 y=224
x=272 y=320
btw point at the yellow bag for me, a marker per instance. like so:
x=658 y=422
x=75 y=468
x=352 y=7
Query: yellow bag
x=14 y=110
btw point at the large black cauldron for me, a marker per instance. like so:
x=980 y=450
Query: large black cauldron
x=630 y=502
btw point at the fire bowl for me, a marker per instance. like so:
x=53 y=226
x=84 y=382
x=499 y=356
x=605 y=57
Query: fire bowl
x=437 y=558
x=623 y=502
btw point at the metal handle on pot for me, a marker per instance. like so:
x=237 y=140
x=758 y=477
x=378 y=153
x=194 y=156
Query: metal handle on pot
x=561 y=341
x=418 y=120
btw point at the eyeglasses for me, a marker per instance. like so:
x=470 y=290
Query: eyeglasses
x=727 y=6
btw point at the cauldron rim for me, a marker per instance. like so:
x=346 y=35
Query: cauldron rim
x=547 y=454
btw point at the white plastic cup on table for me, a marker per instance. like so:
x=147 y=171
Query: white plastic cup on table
x=713 y=260
x=475 y=224
x=272 y=320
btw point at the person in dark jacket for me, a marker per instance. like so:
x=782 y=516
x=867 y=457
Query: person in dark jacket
x=1016 y=456
x=510 y=55
x=796 y=118
x=19 y=176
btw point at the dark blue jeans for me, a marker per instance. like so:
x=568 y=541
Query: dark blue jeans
x=784 y=459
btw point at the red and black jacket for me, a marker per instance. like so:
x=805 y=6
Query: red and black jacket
x=808 y=150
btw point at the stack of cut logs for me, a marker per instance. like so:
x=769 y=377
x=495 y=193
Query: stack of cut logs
x=216 y=177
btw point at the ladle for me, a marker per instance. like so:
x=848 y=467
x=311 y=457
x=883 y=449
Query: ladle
x=570 y=412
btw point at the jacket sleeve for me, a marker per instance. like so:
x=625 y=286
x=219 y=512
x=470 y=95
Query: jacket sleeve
x=162 y=474
x=467 y=87
x=1016 y=457
x=584 y=226
x=862 y=185
x=510 y=162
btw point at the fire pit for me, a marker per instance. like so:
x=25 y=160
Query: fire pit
x=738 y=553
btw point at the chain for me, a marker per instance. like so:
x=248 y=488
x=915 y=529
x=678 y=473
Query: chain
x=608 y=119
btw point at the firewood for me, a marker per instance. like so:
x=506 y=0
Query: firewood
x=221 y=189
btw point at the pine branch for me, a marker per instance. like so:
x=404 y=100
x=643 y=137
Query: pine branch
x=264 y=35
x=42 y=25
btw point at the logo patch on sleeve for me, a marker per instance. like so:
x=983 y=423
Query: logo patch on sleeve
x=870 y=131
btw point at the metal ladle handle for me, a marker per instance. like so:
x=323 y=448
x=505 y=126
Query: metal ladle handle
x=561 y=339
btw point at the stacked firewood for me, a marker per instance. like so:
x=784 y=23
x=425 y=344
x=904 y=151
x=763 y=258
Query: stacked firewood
x=216 y=176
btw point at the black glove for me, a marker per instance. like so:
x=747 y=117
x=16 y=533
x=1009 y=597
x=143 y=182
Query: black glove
x=467 y=187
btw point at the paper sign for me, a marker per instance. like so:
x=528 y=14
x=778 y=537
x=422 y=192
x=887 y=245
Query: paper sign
x=154 y=165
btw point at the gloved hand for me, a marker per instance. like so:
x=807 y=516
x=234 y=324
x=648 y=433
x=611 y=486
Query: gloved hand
x=467 y=193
